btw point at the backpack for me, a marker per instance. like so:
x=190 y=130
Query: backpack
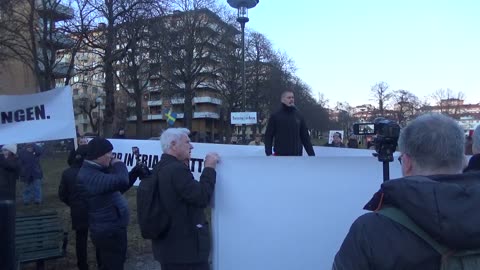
x=153 y=219
x=451 y=259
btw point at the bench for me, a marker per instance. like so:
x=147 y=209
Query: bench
x=39 y=238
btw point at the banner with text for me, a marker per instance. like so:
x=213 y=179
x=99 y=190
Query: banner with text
x=240 y=118
x=37 y=117
x=151 y=151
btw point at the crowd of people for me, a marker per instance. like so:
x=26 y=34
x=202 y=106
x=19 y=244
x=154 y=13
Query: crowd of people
x=438 y=194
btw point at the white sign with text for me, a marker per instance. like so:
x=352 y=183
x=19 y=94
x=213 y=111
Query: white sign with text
x=240 y=118
x=37 y=117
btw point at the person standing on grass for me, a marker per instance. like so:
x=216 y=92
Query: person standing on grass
x=101 y=181
x=186 y=244
x=31 y=173
x=9 y=170
x=70 y=195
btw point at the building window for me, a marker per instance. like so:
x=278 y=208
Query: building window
x=85 y=128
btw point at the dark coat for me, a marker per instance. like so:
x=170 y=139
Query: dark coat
x=102 y=188
x=473 y=164
x=9 y=171
x=444 y=206
x=188 y=238
x=352 y=143
x=69 y=193
x=288 y=133
x=30 y=164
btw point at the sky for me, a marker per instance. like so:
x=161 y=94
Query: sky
x=343 y=47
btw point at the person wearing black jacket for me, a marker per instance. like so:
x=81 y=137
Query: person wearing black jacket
x=101 y=181
x=9 y=172
x=433 y=194
x=287 y=131
x=186 y=244
x=474 y=162
x=70 y=195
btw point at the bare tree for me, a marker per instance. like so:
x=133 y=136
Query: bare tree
x=448 y=101
x=87 y=105
x=259 y=54
x=110 y=14
x=31 y=33
x=188 y=43
x=406 y=105
x=229 y=83
x=137 y=69
x=381 y=94
x=345 y=116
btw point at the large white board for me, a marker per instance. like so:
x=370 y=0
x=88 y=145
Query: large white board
x=287 y=213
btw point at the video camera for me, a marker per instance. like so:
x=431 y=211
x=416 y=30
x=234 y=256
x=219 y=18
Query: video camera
x=386 y=134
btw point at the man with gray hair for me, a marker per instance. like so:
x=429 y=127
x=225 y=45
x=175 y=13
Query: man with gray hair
x=474 y=162
x=433 y=196
x=186 y=244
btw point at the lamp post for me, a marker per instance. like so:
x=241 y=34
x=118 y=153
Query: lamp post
x=242 y=7
x=98 y=101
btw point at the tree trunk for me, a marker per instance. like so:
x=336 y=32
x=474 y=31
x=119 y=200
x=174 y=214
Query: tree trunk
x=188 y=108
x=139 y=114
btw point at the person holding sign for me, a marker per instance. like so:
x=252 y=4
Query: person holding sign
x=186 y=242
x=287 y=131
x=429 y=218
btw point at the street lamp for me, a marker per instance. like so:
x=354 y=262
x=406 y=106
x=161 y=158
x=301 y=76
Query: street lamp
x=242 y=7
x=98 y=101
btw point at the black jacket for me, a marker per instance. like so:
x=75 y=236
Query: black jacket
x=70 y=194
x=102 y=188
x=9 y=171
x=188 y=238
x=444 y=206
x=287 y=132
x=473 y=164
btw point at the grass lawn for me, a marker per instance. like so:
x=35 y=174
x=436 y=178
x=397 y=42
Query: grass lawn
x=53 y=167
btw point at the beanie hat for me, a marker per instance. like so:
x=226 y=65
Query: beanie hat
x=10 y=147
x=98 y=147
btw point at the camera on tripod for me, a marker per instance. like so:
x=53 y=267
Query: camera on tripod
x=386 y=133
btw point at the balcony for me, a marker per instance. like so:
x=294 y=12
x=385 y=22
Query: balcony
x=154 y=103
x=53 y=10
x=148 y=117
x=207 y=100
x=59 y=71
x=212 y=115
x=60 y=41
x=182 y=101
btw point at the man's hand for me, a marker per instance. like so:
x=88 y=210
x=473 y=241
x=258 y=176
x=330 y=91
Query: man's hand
x=211 y=160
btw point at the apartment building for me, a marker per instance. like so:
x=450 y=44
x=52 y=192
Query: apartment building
x=18 y=76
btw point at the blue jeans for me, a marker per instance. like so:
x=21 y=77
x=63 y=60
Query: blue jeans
x=32 y=191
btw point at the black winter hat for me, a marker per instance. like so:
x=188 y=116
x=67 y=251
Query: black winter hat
x=98 y=147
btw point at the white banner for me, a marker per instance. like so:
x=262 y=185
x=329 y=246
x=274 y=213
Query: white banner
x=151 y=151
x=240 y=118
x=287 y=213
x=37 y=117
x=281 y=213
